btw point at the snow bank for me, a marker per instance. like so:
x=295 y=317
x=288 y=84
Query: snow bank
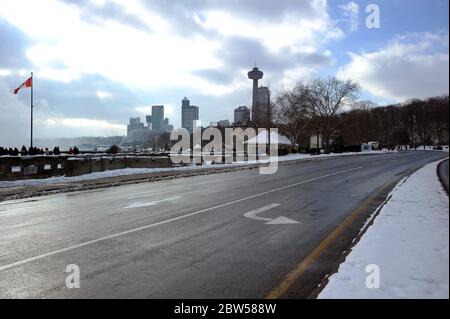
x=430 y=148
x=409 y=242
x=134 y=171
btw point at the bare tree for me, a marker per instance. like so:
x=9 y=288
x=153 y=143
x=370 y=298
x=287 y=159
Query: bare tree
x=364 y=105
x=326 y=98
x=415 y=122
x=291 y=113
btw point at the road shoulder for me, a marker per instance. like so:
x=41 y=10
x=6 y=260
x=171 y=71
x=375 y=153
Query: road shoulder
x=405 y=252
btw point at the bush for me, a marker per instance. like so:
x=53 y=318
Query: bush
x=352 y=148
x=114 y=149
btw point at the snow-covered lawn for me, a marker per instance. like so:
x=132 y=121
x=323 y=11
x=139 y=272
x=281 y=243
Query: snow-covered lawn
x=408 y=242
x=430 y=148
x=135 y=171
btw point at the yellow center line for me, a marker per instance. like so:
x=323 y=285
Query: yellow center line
x=292 y=277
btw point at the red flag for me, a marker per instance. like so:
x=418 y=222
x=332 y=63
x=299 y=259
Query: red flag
x=26 y=84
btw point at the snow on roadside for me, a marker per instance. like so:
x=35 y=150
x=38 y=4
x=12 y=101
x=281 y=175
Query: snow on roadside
x=133 y=171
x=408 y=241
x=430 y=148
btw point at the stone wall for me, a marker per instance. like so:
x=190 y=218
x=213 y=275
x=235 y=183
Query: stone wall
x=25 y=167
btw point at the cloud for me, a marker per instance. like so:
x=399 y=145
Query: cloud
x=14 y=44
x=120 y=36
x=291 y=29
x=102 y=60
x=103 y=95
x=14 y=119
x=100 y=12
x=242 y=52
x=414 y=65
x=56 y=113
x=78 y=127
x=113 y=50
x=143 y=110
x=99 y=60
x=351 y=15
x=214 y=75
x=189 y=16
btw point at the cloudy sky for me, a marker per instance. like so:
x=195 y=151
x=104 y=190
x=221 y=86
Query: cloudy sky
x=97 y=62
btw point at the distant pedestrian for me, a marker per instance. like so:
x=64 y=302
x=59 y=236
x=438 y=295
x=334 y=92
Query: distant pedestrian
x=23 y=151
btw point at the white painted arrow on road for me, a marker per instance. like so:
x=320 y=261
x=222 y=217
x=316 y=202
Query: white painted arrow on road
x=270 y=221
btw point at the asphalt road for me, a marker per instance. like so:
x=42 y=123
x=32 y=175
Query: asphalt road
x=189 y=238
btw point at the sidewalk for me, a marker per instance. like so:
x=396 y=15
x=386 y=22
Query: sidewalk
x=408 y=243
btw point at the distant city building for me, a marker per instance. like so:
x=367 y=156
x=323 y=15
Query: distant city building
x=241 y=115
x=255 y=75
x=166 y=126
x=156 y=123
x=189 y=115
x=157 y=118
x=185 y=102
x=148 y=119
x=223 y=123
x=139 y=134
x=263 y=102
x=135 y=124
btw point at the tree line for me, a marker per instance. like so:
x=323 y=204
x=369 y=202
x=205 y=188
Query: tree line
x=331 y=107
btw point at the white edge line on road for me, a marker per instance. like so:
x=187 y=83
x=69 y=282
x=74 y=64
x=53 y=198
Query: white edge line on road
x=90 y=242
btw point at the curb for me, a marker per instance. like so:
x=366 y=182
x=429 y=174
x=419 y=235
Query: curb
x=443 y=177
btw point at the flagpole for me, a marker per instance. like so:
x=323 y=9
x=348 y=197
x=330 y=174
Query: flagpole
x=31 y=104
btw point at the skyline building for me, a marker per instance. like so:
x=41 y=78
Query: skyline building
x=185 y=102
x=156 y=123
x=189 y=115
x=148 y=119
x=135 y=124
x=241 y=115
x=166 y=126
x=263 y=102
x=255 y=74
x=258 y=114
x=157 y=118
x=223 y=123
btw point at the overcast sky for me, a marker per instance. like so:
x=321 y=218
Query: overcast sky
x=97 y=63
